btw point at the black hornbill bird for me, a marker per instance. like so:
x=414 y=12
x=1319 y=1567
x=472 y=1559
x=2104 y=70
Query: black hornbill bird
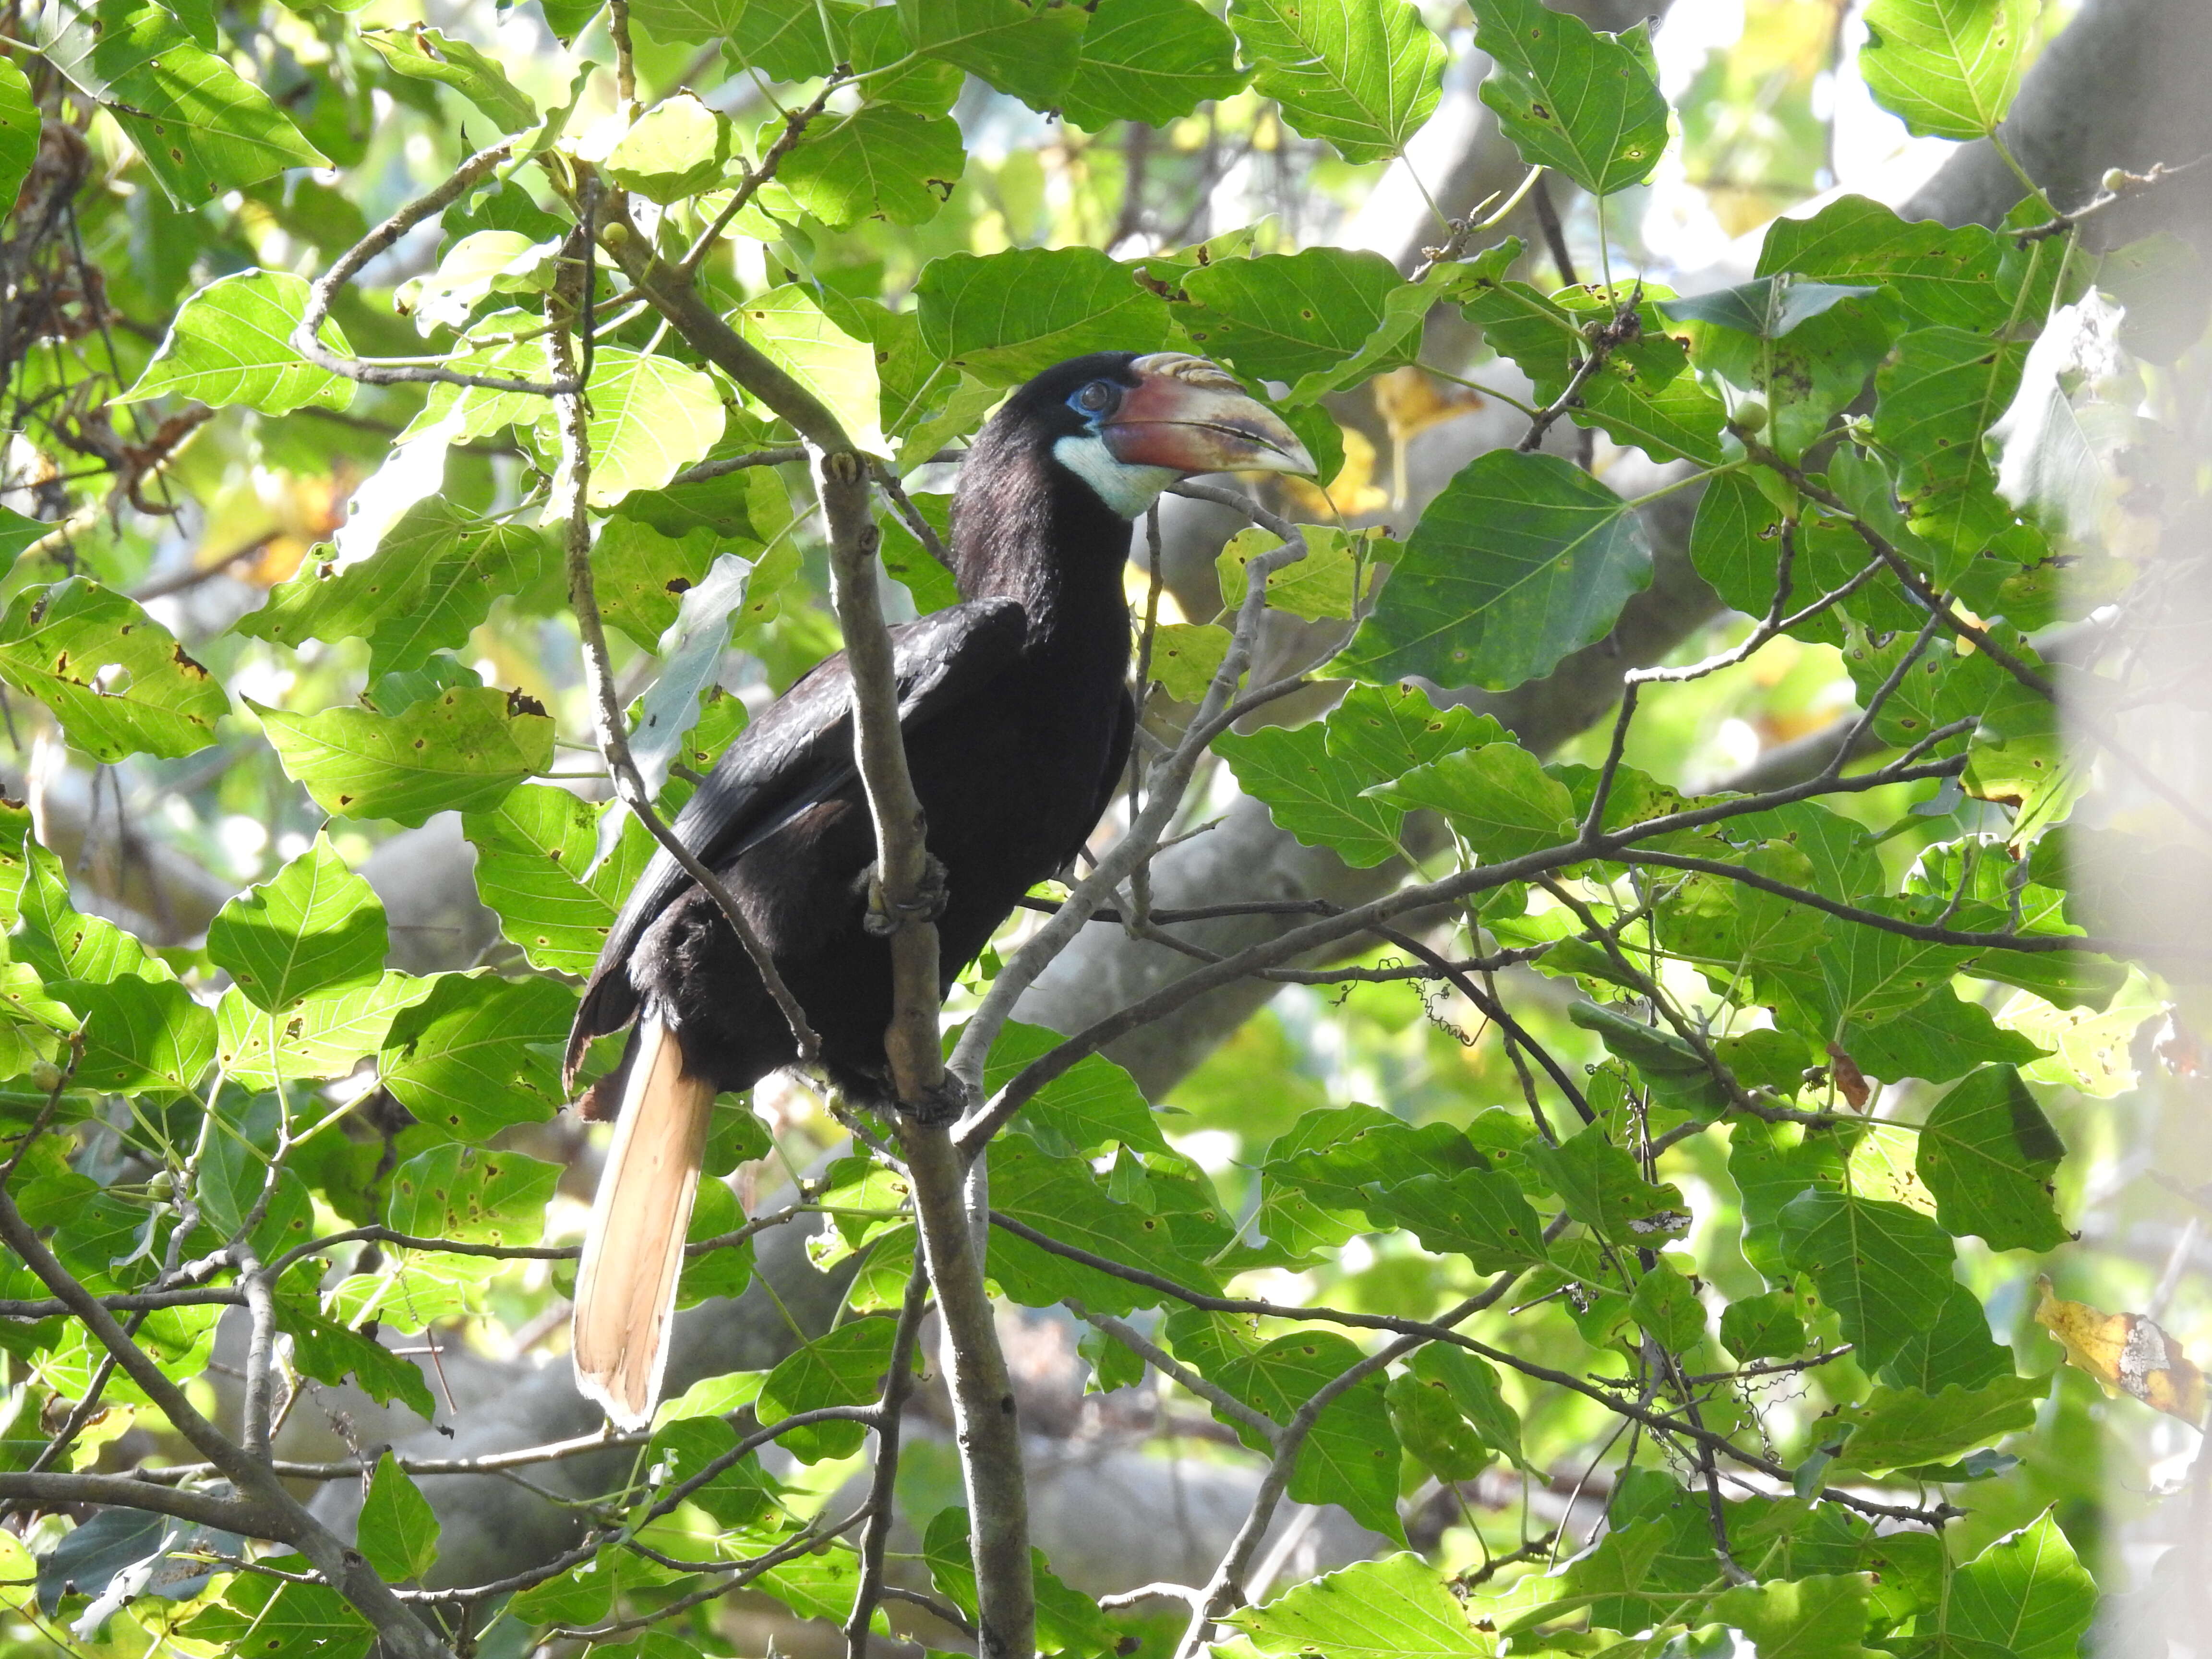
x=1017 y=722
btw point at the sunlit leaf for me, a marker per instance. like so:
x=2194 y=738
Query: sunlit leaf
x=1363 y=74
x=1569 y=97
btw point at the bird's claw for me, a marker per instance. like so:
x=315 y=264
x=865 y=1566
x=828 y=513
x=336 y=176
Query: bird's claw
x=885 y=918
x=946 y=1103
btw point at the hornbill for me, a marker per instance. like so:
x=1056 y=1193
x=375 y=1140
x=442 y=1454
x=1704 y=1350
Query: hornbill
x=1017 y=723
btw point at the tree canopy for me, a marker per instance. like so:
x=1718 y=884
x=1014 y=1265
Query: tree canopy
x=1608 y=1087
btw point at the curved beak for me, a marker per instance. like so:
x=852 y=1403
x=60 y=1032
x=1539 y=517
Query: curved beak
x=1188 y=415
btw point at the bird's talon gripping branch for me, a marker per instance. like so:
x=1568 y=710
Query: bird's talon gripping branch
x=886 y=917
x=946 y=1101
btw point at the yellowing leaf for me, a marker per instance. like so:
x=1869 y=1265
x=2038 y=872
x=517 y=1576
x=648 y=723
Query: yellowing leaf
x=2127 y=1354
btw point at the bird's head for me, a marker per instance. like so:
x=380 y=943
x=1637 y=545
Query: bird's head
x=1128 y=426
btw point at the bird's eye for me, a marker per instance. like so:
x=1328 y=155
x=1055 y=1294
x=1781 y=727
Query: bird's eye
x=1094 y=398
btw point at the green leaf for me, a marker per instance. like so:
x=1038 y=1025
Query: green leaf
x=273 y=1620
x=327 y=1352
x=651 y=417
x=1643 y=393
x=1399 y=1607
x=1363 y=74
x=2027 y=1592
x=1884 y=1268
x=1431 y=1428
x=1947 y=67
x=1350 y=1456
x=1805 y=376
x=202 y=128
x=54 y=938
x=322 y=1035
x=477 y=1055
x=789 y=325
x=19 y=131
x=1946 y=276
x=1068 y=1619
x=535 y=871
x=432 y=579
x=1668 y=1065
x=1471 y=1382
x=462 y=750
x=1476 y=1213
x=844 y=1368
x=1941 y=391
x=1089 y=1106
x=1942 y=1038
x=1570 y=97
x=399 y=1530
x=1028 y=51
x=1061 y=1197
x=1004 y=317
x=1897 y=1428
x=879 y=163
x=876 y=46
x=1955 y=1348
x=313 y=926
x=1519 y=561
x=1406 y=308
x=1150 y=61
x=675 y=150
x=116 y=680
x=1769 y=308
x=429 y=54
x=784 y=39
x=1763 y=1327
x=913 y=566
x=1988 y=1154
x=1498 y=798
x=1819 y=1617
x=1602 y=1186
x=1186 y=656
x=471 y=1195
x=139 y=1035
x=1665 y=1303
x=1283 y=315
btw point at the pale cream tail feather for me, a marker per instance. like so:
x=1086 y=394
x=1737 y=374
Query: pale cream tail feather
x=633 y=1247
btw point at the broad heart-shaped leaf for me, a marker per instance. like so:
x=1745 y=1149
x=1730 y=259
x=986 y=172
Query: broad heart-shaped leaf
x=1501 y=803
x=879 y=163
x=1897 y=1428
x=782 y=39
x=1804 y=377
x=476 y=1054
x=329 y=1353
x=322 y=1035
x=399 y=1530
x=19 y=131
x=1312 y=777
x=1821 y=1616
x=677 y=148
x=1602 y=1186
x=1947 y=67
x=140 y=1035
x=1477 y=1213
x=1363 y=74
x=642 y=574
x=1940 y=390
x=1324 y=586
x=431 y=579
x=1399 y=1607
x=2028 y=1592
x=472 y=1194
x=651 y=417
x=462 y=750
x=1061 y=1197
x=1884 y=1268
x=1570 y=97
x=312 y=926
x=534 y=870
x=1432 y=1430
x=1283 y=315
x=1470 y=1384
x=1002 y=317
x=1988 y=1153
x=1936 y=1040
x=1643 y=393
x=1150 y=61
x=1953 y=1348
x=1520 y=560
x=843 y=1368
x=1028 y=51
x=1350 y=1457
x=116 y=680
x=1735 y=542
x=280 y=1620
x=51 y=937
x=202 y=128
x=1093 y=1105
x=1067 y=1620
x=1945 y=275
x=788 y=324
x=427 y=54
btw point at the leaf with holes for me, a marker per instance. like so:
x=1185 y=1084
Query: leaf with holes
x=1283 y=315
x=461 y=749
x=472 y=1195
x=878 y=163
x=475 y=1054
x=1947 y=67
x=534 y=870
x=1150 y=61
x=1569 y=97
x=116 y=679
x=1520 y=560
x=1884 y=1268
x=140 y=1035
x=1988 y=1155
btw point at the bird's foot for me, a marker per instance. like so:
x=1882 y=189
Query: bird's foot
x=885 y=918
x=947 y=1103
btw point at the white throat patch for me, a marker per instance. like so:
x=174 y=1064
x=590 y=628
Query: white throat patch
x=1127 y=489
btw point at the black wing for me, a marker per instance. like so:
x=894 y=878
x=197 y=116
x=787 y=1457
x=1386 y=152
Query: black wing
x=797 y=752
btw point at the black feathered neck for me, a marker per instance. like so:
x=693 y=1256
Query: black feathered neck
x=1026 y=528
